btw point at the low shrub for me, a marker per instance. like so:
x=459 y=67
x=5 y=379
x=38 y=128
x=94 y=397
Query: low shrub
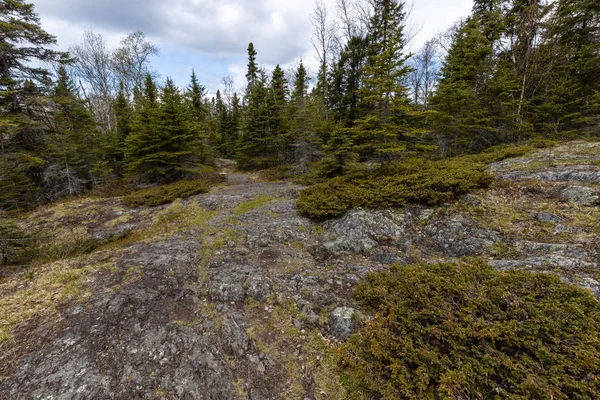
x=504 y=152
x=117 y=188
x=468 y=331
x=275 y=174
x=417 y=180
x=165 y=194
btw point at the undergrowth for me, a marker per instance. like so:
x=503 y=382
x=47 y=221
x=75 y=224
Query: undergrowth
x=414 y=180
x=166 y=194
x=468 y=331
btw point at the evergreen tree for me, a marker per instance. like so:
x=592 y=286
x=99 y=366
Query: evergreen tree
x=307 y=123
x=195 y=95
x=166 y=143
x=252 y=150
x=23 y=85
x=346 y=79
x=71 y=142
x=253 y=73
x=231 y=132
x=115 y=145
x=145 y=141
x=380 y=132
x=572 y=48
x=277 y=110
x=464 y=121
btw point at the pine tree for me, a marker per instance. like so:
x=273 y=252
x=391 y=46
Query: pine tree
x=346 y=79
x=166 y=143
x=195 y=96
x=277 y=110
x=464 y=121
x=24 y=47
x=71 y=142
x=253 y=147
x=381 y=131
x=253 y=73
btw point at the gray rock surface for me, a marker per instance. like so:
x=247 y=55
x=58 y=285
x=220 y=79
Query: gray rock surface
x=179 y=316
x=582 y=174
x=581 y=195
x=360 y=231
x=344 y=321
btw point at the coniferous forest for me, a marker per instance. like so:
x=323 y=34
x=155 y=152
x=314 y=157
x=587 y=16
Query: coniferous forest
x=398 y=222
x=513 y=71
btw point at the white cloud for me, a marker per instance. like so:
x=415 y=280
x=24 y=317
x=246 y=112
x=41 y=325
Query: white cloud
x=220 y=30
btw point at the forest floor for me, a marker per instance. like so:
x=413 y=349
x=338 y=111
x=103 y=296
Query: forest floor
x=230 y=294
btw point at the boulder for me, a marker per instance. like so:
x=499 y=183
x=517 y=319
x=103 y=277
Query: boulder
x=546 y=217
x=343 y=322
x=360 y=231
x=582 y=195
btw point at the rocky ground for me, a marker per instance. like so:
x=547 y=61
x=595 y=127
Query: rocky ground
x=232 y=294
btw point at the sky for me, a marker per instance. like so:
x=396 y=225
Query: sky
x=211 y=36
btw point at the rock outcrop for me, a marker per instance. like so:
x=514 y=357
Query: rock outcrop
x=232 y=294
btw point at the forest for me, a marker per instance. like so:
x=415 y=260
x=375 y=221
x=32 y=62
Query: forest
x=511 y=72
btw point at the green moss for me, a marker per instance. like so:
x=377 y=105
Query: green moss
x=417 y=180
x=469 y=331
x=254 y=204
x=166 y=194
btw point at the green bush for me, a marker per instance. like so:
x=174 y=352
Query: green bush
x=501 y=153
x=116 y=188
x=468 y=331
x=275 y=174
x=16 y=246
x=165 y=194
x=417 y=180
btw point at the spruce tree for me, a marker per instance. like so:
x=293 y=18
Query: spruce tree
x=72 y=142
x=252 y=150
x=145 y=141
x=253 y=72
x=277 y=110
x=195 y=96
x=464 y=121
x=305 y=123
x=24 y=47
x=380 y=132
x=114 y=145
x=346 y=80
x=232 y=127
x=572 y=48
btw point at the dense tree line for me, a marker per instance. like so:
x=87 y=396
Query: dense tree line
x=512 y=70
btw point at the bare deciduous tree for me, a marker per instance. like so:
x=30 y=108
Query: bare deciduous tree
x=94 y=69
x=423 y=79
x=228 y=90
x=323 y=34
x=131 y=61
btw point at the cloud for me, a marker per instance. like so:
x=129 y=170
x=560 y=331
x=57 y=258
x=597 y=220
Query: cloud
x=216 y=33
x=280 y=29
